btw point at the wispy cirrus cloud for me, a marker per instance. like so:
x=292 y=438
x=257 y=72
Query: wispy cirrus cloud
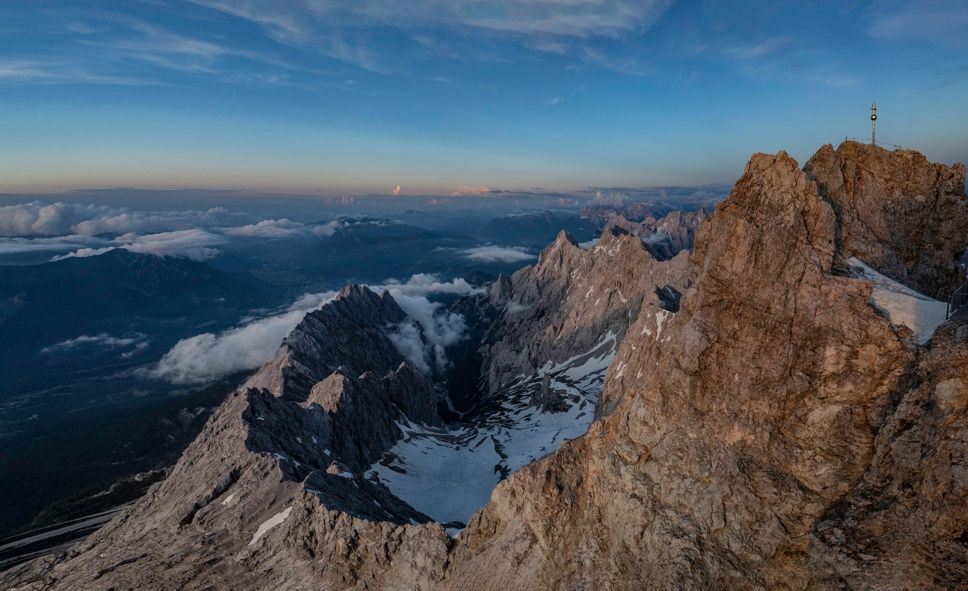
x=764 y=48
x=137 y=39
x=345 y=31
x=58 y=72
x=303 y=21
x=941 y=21
x=118 y=48
x=786 y=58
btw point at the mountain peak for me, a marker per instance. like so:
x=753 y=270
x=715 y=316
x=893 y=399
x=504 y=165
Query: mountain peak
x=357 y=290
x=762 y=161
x=563 y=238
x=901 y=214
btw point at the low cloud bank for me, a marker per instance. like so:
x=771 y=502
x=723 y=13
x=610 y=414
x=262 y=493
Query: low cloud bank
x=61 y=219
x=498 y=254
x=197 y=245
x=471 y=190
x=135 y=343
x=207 y=357
x=282 y=228
x=285 y=228
x=87 y=230
x=424 y=338
x=423 y=284
x=516 y=307
x=10 y=246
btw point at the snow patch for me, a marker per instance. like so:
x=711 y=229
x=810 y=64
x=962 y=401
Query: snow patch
x=270 y=523
x=902 y=305
x=660 y=318
x=621 y=370
x=449 y=473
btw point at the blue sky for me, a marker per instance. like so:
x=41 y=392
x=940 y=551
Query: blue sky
x=360 y=96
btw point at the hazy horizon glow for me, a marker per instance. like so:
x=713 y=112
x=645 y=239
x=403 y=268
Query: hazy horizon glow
x=455 y=97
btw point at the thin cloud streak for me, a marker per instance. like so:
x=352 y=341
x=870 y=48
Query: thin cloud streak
x=343 y=31
x=762 y=49
x=936 y=20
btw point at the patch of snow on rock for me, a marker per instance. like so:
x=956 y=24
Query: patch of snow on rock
x=449 y=473
x=902 y=305
x=270 y=523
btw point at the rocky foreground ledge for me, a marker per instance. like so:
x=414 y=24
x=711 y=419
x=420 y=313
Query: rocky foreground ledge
x=777 y=423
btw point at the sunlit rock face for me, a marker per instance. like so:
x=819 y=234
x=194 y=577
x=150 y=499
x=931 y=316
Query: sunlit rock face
x=897 y=212
x=759 y=434
x=781 y=408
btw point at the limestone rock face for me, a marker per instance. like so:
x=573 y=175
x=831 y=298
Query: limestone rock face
x=573 y=297
x=776 y=432
x=348 y=334
x=898 y=212
x=903 y=525
x=664 y=237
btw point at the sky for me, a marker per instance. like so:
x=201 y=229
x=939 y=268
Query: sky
x=456 y=96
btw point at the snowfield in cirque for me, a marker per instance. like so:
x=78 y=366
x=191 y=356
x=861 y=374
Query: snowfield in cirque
x=449 y=473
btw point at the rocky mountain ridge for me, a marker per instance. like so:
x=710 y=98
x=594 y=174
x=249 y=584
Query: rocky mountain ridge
x=666 y=236
x=777 y=432
x=763 y=422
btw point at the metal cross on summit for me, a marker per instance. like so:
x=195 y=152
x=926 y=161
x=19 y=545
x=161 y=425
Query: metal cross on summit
x=874 y=124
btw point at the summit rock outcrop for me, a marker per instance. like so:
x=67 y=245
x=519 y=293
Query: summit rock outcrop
x=901 y=214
